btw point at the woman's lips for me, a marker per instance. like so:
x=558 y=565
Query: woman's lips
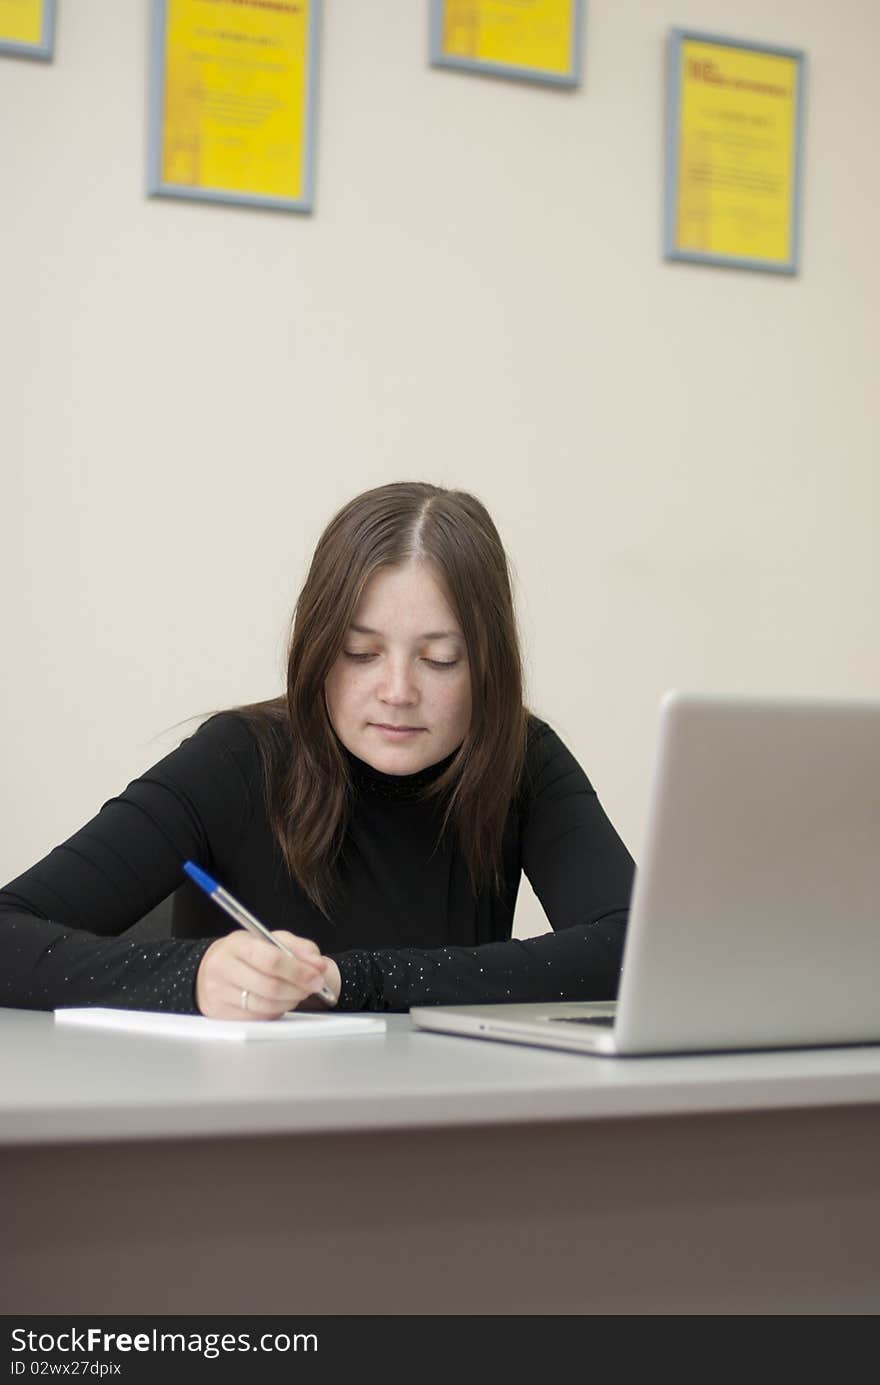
x=396 y=733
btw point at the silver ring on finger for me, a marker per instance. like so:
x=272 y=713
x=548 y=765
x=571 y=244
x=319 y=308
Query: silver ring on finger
x=244 y=1000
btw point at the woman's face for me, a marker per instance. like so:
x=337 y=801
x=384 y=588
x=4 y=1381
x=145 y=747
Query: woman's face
x=403 y=664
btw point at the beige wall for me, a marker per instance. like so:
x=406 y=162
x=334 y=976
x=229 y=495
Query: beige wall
x=682 y=461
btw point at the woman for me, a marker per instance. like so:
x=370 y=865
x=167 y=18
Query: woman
x=376 y=818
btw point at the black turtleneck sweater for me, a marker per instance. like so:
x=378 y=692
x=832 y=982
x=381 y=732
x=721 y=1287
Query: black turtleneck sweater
x=407 y=928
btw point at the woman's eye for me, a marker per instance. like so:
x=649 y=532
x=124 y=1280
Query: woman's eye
x=363 y=658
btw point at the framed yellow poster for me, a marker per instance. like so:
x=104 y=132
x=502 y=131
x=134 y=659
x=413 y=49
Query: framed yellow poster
x=734 y=152
x=532 y=40
x=233 y=95
x=27 y=28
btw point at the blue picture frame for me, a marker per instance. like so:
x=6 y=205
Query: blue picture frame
x=156 y=187
x=676 y=39
x=44 y=50
x=572 y=78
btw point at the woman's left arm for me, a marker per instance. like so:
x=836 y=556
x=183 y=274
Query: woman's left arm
x=576 y=863
x=581 y=872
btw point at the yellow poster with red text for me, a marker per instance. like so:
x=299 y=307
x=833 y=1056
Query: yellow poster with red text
x=536 y=34
x=235 y=103
x=737 y=152
x=21 y=21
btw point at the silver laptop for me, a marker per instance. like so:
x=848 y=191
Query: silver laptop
x=755 y=916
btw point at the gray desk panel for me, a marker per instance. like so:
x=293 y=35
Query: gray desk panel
x=748 y=1212
x=81 y=1085
x=414 y=1173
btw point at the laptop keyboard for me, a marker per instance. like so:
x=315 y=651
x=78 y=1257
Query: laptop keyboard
x=607 y=1020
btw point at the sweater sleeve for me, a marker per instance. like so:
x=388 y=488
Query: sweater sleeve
x=60 y=920
x=581 y=872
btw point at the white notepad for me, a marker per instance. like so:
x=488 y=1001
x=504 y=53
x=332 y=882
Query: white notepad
x=292 y=1026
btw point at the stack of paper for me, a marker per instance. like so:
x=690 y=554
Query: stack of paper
x=293 y=1026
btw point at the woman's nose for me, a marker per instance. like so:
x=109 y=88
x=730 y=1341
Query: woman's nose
x=398 y=683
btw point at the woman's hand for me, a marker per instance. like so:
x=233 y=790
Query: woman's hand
x=243 y=977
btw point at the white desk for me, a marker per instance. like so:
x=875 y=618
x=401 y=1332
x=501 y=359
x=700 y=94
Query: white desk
x=413 y=1173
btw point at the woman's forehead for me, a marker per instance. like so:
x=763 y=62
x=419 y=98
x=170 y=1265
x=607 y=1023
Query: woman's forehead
x=406 y=594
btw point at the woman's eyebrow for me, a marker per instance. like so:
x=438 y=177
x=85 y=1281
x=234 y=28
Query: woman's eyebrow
x=431 y=634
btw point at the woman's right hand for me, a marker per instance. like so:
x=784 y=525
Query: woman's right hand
x=242 y=977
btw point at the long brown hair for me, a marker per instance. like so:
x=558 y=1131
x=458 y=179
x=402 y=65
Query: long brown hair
x=306 y=775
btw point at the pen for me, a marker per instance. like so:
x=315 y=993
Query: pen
x=240 y=914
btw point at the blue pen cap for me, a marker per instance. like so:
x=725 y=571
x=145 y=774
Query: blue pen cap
x=201 y=877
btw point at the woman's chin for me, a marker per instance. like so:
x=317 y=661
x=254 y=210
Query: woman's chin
x=395 y=754
x=396 y=761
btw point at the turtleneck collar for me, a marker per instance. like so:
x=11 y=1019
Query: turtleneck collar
x=400 y=786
